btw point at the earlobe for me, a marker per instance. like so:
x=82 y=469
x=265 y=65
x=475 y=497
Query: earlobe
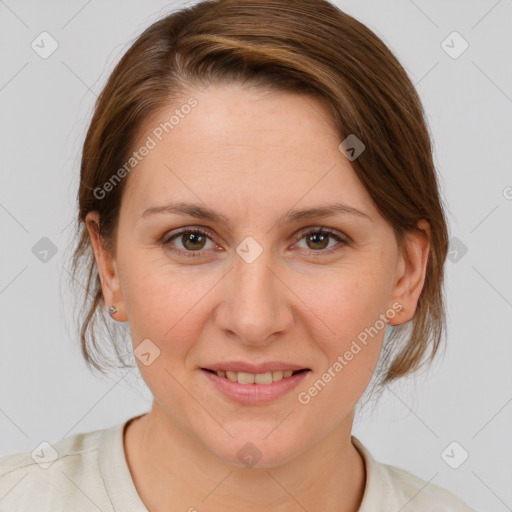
x=412 y=272
x=107 y=270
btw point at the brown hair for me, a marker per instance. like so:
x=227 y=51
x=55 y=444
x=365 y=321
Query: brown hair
x=307 y=46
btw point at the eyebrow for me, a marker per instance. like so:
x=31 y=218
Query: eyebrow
x=205 y=213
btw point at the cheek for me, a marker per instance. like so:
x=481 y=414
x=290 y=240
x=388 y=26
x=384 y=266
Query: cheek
x=347 y=302
x=349 y=307
x=164 y=305
x=350 y=334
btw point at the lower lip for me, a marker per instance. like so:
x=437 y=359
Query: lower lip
x=250 y=394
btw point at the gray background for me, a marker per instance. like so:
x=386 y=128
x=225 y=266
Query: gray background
x=47 y=393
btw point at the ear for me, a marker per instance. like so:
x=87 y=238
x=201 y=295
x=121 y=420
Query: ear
x=411 y=271
x=109 y=277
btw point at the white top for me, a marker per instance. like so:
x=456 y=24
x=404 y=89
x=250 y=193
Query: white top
x=89 y=472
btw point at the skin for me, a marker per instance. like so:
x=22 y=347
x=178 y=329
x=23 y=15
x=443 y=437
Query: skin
x=252 y=155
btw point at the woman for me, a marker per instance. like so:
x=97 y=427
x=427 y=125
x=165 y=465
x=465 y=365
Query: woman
x=258 y=201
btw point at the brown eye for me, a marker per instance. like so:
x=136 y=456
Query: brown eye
x=318 y=239
x=191 y=242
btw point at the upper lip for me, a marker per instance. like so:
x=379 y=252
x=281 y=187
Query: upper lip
x=243 y=366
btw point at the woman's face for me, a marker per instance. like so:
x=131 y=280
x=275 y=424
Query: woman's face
x=255 y=288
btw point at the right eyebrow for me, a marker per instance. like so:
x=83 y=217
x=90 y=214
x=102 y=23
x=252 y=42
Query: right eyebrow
x=292 y=216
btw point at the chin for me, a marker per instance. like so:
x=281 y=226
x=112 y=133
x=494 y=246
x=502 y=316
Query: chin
x=255 y=451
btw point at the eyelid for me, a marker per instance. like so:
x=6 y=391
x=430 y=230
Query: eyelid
x=339 y=236
x=324 y=229
x=301 y=232
x=186 y=229
x=341 y=239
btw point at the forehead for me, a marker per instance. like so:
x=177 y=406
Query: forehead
x=242 y=144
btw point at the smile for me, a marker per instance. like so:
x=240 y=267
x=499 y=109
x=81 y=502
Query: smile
x=254 y=388
x=255 y=378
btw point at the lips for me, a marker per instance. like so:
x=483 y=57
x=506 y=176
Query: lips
x=255 y=378
x=250 y=373
x=254 y=388
x=243 y=366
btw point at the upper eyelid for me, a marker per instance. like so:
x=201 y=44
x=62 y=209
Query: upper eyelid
x=300 y=233
x=179 y=231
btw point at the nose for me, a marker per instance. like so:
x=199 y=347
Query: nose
x=256 y=305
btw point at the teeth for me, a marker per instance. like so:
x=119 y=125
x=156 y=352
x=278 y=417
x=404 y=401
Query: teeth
x=255 y=378
x=262 y=378
x=277 y=375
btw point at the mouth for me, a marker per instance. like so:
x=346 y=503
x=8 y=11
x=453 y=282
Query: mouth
x=251 y=389
x=266 y=378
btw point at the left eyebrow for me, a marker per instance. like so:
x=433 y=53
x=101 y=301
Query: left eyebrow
x=202 y=212
x=321 y=211
x=193 y=210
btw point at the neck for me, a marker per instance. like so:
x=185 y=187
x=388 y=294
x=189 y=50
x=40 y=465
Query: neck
x=172 y=470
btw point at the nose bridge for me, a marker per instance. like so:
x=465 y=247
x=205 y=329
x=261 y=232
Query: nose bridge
x=256 y=305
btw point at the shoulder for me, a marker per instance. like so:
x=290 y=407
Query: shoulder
x=421 y=494
x=401 y=490
x=53 y=475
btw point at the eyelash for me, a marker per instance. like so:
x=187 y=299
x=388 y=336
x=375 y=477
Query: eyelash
x=342 y=241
